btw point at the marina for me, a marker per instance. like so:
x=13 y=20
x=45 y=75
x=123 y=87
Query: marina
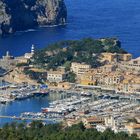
x=70 y=107
x=19 y=92
x=29 y=103
x=17 y=107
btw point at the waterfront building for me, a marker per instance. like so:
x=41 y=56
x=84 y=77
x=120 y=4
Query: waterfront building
x=113 y=78
x=92 y=122
x=110 y=122
x=92 y=77
x=102 y=77
x=80 y=68
x=116 y=123
x=56 y=76
x=101 y=128
x=133 y=128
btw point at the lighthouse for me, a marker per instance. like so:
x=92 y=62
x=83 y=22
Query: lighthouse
x=32 y=49
x=29 y=55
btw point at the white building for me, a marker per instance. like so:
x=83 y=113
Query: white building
x=29 y=55
x=134 y=64
x=133 y=128
x=80 y=68
x=56 y=76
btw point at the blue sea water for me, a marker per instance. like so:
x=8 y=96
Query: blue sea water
x=17 y=107
x=86 y=18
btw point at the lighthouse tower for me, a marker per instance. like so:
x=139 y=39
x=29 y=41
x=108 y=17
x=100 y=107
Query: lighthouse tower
x=32 y=49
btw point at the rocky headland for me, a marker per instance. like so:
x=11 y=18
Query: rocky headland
x=19 y=15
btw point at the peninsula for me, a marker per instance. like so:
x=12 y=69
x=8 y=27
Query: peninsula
x=87 y=62
x=98 y=83
x=19 y=15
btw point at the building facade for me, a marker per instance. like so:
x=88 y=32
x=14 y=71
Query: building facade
x=56 y=76
x=115 y=57
x=80 y=68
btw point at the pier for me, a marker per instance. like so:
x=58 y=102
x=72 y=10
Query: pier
x=31 y=119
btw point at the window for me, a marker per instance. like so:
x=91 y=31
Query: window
x=135 y=62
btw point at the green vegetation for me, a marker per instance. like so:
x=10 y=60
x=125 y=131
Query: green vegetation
x=22 y=64
x=85 y=50
x=71 y=77
x=38 y=131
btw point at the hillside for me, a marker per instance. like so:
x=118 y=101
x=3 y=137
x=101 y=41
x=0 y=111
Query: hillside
x=85 y=50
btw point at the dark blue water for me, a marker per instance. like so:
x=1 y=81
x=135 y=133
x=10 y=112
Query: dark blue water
x=17 y=107
x=86 y=18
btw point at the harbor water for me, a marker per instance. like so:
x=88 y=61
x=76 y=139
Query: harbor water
x=15 y=108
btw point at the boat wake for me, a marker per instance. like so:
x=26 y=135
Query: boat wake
x=43 y=26
x=51 y=26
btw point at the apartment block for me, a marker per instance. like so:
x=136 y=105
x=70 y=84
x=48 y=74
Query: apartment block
x=56 y=76
x=80 y=68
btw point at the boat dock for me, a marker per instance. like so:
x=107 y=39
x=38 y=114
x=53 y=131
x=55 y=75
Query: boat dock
x=31 y=119
x=9 y=93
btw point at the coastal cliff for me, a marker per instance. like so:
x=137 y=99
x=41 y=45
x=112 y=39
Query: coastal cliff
x=18 y=15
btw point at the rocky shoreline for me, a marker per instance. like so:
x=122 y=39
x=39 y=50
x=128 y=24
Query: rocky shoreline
x=20 y=15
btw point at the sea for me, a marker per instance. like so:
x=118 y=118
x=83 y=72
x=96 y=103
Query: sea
x=86 y=18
